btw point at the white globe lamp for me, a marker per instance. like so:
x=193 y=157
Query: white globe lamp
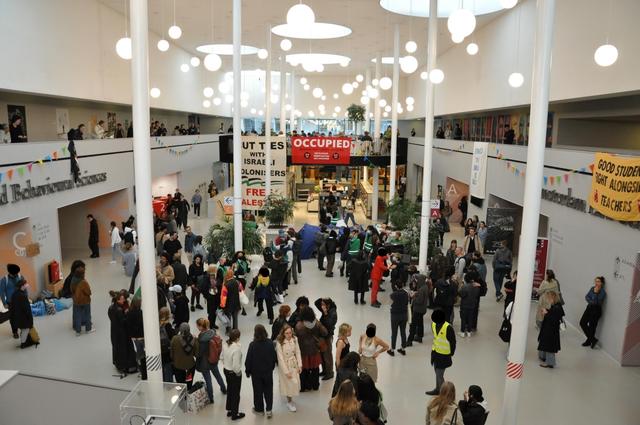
x=228 y=98
x=516 y=80
x=375 y=81
x=263 y=54
x=336 y=95
x=606 y=55
x=184 y=67
x=224 y=87
x=163 y=45
x=206 y=103
x=382 y=103
x=472 y=49
x=410 y=100
x=306 y=87
x=195 y=61
x=300 y=15
x=253 y=111
x=337 y=109
x=411 y=46
x=424 y=75
x=364 y=100
x=207 y=92
x=457 y=38
x=154 y=92
x=462 y=22
x=175 y=32
x=359 y=78
x=385 y=83
x=309 y=66
x=123 y=48
x=436 y=76
x=344 y=63
x=303 y=81
x=408 y=64
x=355 y=84
x=373 y=93
x=508 y=4
x=347 y=88
x=286 y=45
x=387 y=108
x=409 y=108
x=212 y=62
x=317 y=92
x=217 y=101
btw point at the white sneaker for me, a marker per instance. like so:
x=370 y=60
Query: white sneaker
x=269 y=414
x=78 y=334
x=468 y=334
x=91 y=331
x=112 y=262
x=462 y=334
x=291 y=407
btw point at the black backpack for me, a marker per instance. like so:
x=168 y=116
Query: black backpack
x=165 y=343
x=297 y=246
x=267 y=254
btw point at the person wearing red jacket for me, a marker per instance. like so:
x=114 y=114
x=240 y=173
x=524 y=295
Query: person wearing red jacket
x=377 y=272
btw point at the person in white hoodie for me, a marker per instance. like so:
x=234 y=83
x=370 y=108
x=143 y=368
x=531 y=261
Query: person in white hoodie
x=99 y=130
x=115 y=241
x=232 y=365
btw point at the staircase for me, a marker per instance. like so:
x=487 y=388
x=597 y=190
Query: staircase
x=302 y=194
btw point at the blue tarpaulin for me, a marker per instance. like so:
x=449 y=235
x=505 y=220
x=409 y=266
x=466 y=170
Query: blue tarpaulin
x=307 y=234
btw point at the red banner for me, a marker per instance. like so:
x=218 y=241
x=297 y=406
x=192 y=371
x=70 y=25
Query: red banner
x=320 y=150
x=540 y=268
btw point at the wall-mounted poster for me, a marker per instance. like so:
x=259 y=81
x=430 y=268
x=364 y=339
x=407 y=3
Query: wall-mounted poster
x=455 y=190
x=62 y=122
x=615 y=186
x=254 y=170
x=500 y=227
x=20 y=111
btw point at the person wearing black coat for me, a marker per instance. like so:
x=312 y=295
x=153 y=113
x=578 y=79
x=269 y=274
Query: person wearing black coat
x=399 y=317
x=472 y=407
x=93 y=236
x=181 y=302
x=359 y=277
x=439 y=360
x=329 y=319
x=331 y=247
x=135 y=331
x=445 y=293
x=278 y=266
x=419 y=303
x=259 y=365
x=20 y=313
x=549 y=336
x=181 y=276
x=233 y=307
x=122 y=354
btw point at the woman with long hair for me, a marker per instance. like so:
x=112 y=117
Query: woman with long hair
x=135 y=331
x=259 y=364
x=370 y=348
x=442 y=409
x=348 y=371
x=122 y=354
x=549 y=336
x=309 y=330
x=184 y=350
x=232 y=365
x=203 y=365
x=550 y=284
x=343 y=408
x=367 y=391
x=278 y=324
x=196 y=269
x=167 y=332
x=289 y=365
x=343 y=346
x=589 y=321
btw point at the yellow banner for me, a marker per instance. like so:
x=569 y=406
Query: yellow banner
x=615 y=187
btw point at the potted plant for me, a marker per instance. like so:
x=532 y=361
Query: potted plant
x=400 y=212
x=356 y=114
x=411 y=238
x=278 y=209
x=219 y=240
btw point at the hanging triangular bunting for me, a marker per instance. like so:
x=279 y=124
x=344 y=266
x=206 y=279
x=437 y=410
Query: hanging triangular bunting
x=40 y=162
x=47 y=158
x=55 y=155
x=30 y=166
x=545 y=180
x=9 y=174
x=566 y=178
x=551 y=180
x=517 y=172
x=591 y=167
x=21 y=171
x=0 y=177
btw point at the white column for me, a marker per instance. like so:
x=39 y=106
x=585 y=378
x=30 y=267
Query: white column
x=367 y=119
x=545 y=14
x=432 y=43
x=142 y=178
x=267 y=117
x=376 y=143
x=394 y=112
x=283 y=92
x=292 y=101
x=237 y=141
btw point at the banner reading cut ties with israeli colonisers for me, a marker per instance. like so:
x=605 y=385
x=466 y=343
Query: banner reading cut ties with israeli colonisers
x=254 y=170
x=615 y=187
x=320 y=150
x=478 y=179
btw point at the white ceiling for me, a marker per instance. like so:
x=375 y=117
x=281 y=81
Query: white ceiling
x=372 y=28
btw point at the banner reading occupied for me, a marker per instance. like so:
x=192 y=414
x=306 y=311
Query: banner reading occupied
x=615 y=187
x=320 y=150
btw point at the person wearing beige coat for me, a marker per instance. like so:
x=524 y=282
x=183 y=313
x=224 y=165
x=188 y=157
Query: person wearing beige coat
x=550 y=284
x=289 y=365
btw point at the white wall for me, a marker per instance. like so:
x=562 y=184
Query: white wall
x=582 y=246
x=474 y=83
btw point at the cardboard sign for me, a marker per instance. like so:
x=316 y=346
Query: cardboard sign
x=320 y=150
x=32 y=249
x=615 y=187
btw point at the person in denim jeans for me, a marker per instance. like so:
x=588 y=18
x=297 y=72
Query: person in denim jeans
x=81 y=293
x=202 y=361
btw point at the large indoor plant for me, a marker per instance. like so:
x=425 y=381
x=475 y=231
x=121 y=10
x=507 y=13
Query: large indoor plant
x=278 y=209
x=411 y=238
x=219 y=240
x=356 y=113
x=400 y=212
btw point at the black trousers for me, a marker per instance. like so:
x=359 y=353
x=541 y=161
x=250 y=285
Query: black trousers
x=355 y=296
x=269 y=302
x=212 y=308
x=321 y=260
x=298 y=262
x=196 y=209
x=589 y=321
x=262 y=392
x=466 y=319
x=182 y=375
x=93 y=246
x=310 y=379
x=474 y=316
x=416 y=327
x=195 y=295
x=331 y=259
x=401 y=324
x=234 y=383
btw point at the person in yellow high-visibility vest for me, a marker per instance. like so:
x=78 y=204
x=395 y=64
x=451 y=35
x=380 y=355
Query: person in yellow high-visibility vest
x=442 y=348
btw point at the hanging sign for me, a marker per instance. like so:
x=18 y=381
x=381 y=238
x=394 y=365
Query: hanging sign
x=540 y=267
x=615 y=187
x=320 y=150
x=478 y=179
x=227 y=205
x=254 y=170
x=435 y=208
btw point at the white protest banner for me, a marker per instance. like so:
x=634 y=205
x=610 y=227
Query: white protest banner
x=478 y=179
x=254 y=170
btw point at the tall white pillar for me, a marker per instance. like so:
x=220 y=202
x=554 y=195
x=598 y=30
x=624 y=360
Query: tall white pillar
x=267 y=118
x=237 y=141
x=283 y=93
x=394 y=112
x=545 y=14
x=292 y=101
x=367 y=119
x=376 y=143
x=425 y=213
x=142 y=176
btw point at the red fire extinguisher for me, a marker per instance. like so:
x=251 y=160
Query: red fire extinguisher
x=54 y=271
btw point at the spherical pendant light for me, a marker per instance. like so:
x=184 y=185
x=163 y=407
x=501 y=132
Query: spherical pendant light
x=364 y=100
x=436 y=76
x=303 y=80
x=411 y=46
x=244 y=103
x=359 y=78
x=385 y=83
x=163 y=45
x=309 y=66
x=306 y=87
x=253 y=111
x=516 y=80
x=123 y=48
x=409 y=108
x=408 y=64
x=317 y=92
x=212 y=62
x=311 y=114
x=334 y=115
x=347 y=88
x=457 y=38
x=184 y=67
x=410 y=100
x=508 y=4
x=207 y=92
x=300 y=15
x=337 y=109
x=319 y=67
x=175 y=32
x=344 y=63
x=424 y=75
x=461 y=21
x=606 y=55
x=375 y=81
x=195 y=61
x=228 y=98
x=217 y=101
x=382 y=103
x=373 y=93
x=224 y=87
x=355 y=84
x=336 y=95
x=286 y=45
x=261 y=112
x=472 y=49
x=154 y=92
x=263 y=54
x=387 y=108
x=324 y=97
x=206 y=103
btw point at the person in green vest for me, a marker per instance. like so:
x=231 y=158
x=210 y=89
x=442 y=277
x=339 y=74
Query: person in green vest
x=353 y=248
x=442 y=349
x=335 y=217
x=367 y=245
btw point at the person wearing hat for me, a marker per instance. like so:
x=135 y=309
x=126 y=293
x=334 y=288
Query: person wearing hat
x=473 y=408
x=8 y=285
x=443 y=347
x=181 y=303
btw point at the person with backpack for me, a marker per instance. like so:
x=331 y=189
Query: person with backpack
x=445 y=294
x=331 y=246
x=210 y=348
x=263 y=292
x=419 y=302
x=184 y=350
x=321 y=251
x=469 y=297
x=259 y=364
x=167 y=332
